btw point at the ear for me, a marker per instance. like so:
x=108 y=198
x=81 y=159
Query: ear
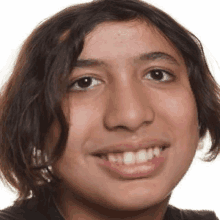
x=200 y=145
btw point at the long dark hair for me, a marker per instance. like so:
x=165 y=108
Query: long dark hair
x=30 y=101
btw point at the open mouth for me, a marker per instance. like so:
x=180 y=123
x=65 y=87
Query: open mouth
x=132 y=157
x=128 y=165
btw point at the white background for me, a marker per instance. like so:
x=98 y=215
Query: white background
x=200 y=188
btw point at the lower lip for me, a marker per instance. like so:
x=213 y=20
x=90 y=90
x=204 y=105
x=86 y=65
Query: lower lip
x=134 y=171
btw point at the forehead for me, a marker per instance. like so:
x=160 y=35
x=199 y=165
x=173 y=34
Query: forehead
x=126 y=40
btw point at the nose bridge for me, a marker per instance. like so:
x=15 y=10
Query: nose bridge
x=127 y=96
x=128 y=104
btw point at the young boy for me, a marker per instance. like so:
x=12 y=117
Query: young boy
x=103 y=114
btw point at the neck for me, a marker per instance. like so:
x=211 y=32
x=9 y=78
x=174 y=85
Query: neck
x=79 y=208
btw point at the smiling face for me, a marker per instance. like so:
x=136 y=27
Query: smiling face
x=136 y=95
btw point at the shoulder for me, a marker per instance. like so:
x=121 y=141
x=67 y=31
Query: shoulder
x=185 y=214
x=27 y=210
x=30 y=210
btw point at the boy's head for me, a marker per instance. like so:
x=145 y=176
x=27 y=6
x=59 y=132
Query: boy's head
x=147 y=86
x=136 y=98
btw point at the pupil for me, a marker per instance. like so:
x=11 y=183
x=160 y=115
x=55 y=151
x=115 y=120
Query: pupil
x=157 y=75
x=85 y=82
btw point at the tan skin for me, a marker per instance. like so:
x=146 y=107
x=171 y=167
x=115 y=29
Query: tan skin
x=125 y=103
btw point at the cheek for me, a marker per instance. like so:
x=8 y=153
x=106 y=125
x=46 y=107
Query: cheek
x=181 y=111
x=181 y=117
x=79 y=122
x=82 y=116
x=67 y=166
x=82 y=119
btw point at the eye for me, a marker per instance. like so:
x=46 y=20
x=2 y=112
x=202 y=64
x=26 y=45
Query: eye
x=88 y=82
x=84 y=83
x=159 y=75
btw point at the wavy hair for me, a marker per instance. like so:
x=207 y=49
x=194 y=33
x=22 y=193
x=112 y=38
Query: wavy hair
x=30 y=101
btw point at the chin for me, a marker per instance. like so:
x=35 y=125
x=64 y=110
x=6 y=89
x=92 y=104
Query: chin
x=135 y=202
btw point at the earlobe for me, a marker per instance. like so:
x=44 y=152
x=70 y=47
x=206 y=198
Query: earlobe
x=200 y=145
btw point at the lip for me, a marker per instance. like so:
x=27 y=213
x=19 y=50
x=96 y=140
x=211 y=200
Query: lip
x=131 y=146
x=134 y=171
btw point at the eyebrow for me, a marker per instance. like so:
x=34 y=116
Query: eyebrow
x=81 y=63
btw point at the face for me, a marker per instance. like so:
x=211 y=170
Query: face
x=129 y=95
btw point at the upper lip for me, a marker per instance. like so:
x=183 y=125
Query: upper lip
x=131 y=146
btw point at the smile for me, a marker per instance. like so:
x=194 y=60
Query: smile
x=133 y=165
x=133 y=157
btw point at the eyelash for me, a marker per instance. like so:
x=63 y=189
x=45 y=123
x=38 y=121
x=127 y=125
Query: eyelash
x=86 y=89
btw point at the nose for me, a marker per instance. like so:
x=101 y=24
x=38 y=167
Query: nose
x=128 y=107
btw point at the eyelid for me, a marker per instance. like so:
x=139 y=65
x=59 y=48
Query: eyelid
x=168 y=72
x=86 y=89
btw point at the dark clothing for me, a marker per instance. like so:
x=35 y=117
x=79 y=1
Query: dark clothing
x=32 y=210
x=174 y=213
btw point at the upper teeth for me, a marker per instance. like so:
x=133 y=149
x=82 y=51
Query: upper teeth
x=140 y=156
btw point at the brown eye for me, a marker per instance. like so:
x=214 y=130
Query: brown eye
x=85 y=83
x=159 y=75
